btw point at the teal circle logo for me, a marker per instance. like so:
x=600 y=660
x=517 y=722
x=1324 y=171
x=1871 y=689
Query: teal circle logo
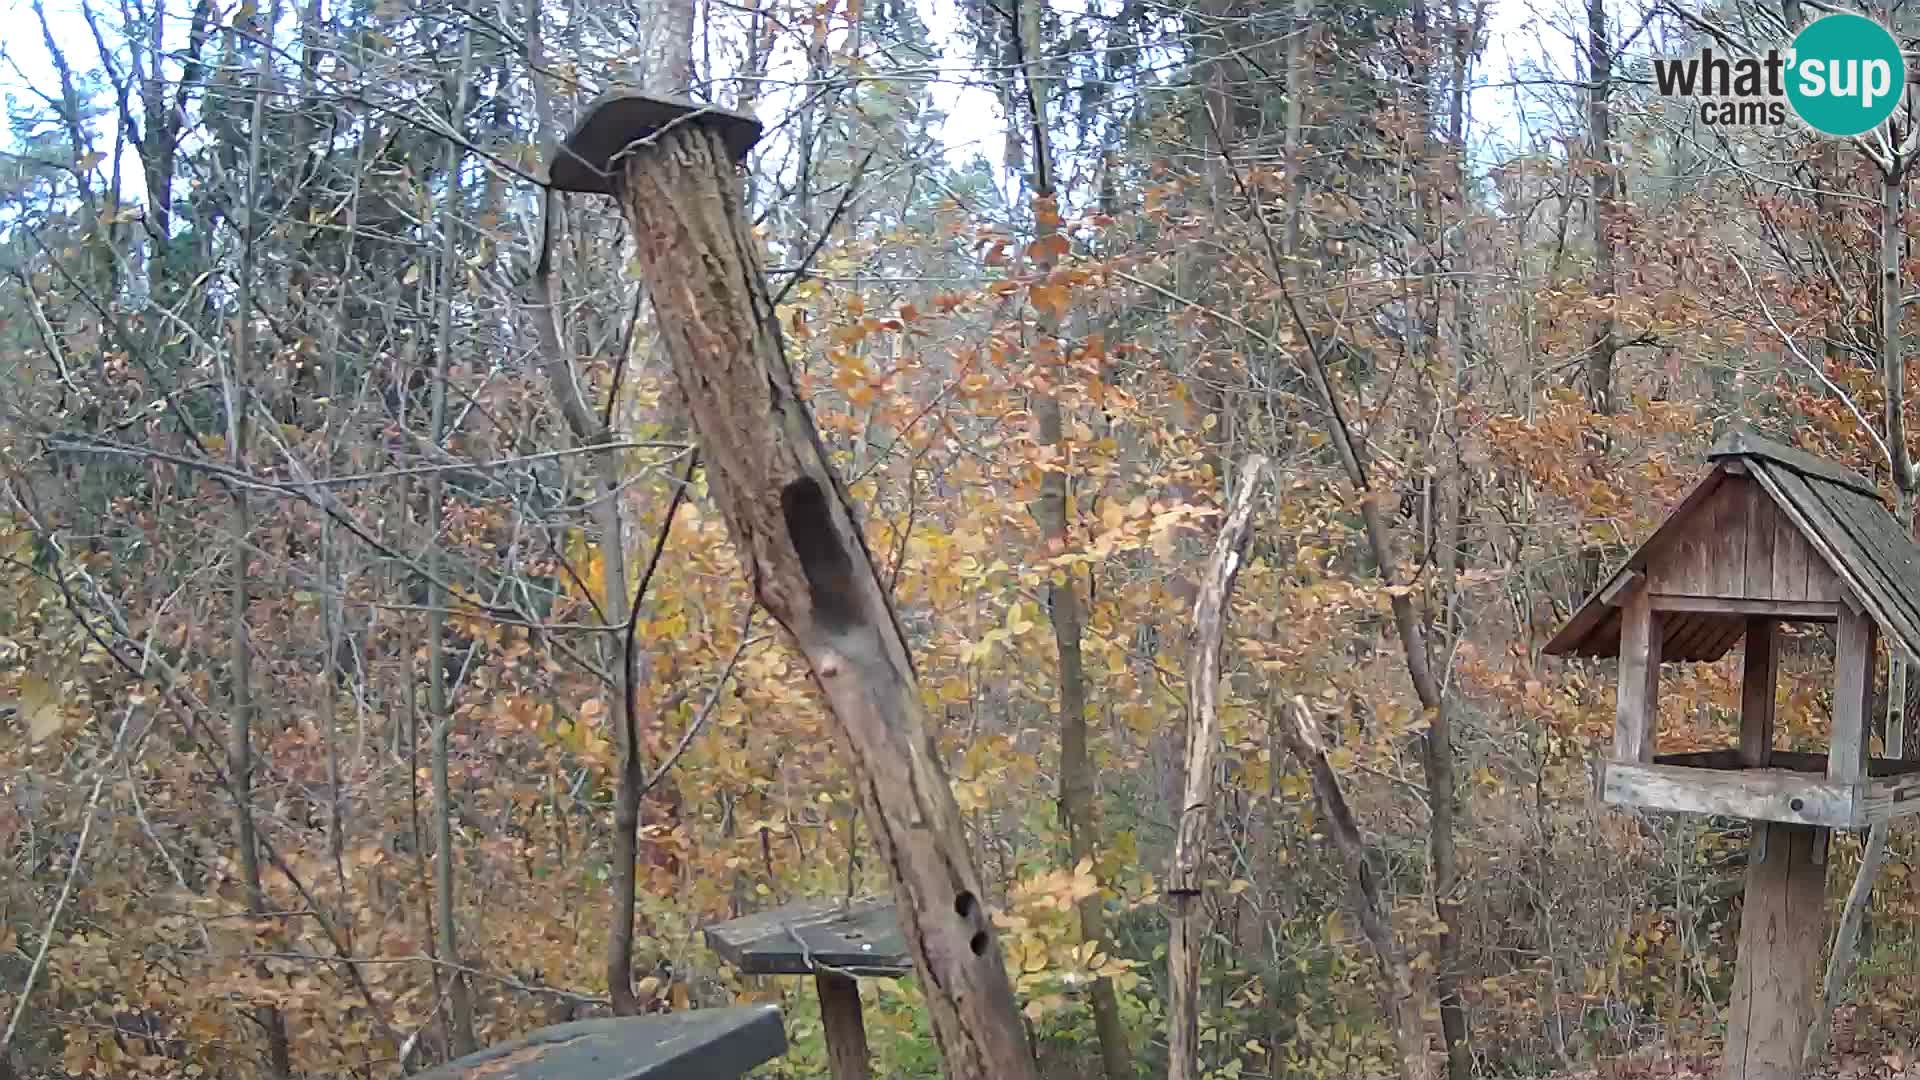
x=1846 y=75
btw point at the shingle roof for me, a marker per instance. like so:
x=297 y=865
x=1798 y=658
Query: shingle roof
x=1841 y=516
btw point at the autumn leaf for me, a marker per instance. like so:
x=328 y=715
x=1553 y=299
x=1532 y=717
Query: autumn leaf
x=40 y=708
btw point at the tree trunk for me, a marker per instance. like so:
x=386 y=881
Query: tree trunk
x=1078 y=807
x=1186 y=871
x=1405 y=998
x=798 y=533
x=239 y=403
x=460 y=1036
x=1417 y=634
x=1846 y=937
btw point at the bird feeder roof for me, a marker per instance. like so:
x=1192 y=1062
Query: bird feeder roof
x=1770 y=531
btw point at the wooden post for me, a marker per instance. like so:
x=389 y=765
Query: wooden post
x=1782 y=930
x=1638 y=701
x=800 y=541
x=1853 y=639
x=1756 y=694
x=846 y=1029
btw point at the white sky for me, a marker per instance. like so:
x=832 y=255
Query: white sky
x=1528 y=39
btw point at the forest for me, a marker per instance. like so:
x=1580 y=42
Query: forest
x=1231 y=400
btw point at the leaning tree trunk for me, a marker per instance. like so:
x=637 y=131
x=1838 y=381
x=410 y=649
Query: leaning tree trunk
x=797 y=531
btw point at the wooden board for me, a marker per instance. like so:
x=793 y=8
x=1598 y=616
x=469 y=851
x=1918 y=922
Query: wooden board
x=718 y=1043
x=1736 y=543
x=1755 y=794
x=1788 y=760
x=862 y=939
x=1839 y=547
x=1783 y=925
x=1757 y=693
x=1890 y=798
x=1747 y=444
x=846 y=1030
x=1852 y=694
x=1639 y=691
x=1784 y=610
x=1763 y=521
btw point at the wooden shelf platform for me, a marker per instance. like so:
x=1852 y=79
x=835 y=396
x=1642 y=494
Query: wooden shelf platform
x=715 y=1043
x=862 y=939
x=1794 y=788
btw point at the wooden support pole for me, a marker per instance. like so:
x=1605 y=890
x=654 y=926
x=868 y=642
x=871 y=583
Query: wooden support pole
x=1638 y=701
x=1757 y=680
x=800 y=540
x=846 y=1029
x=1783 y=927
x=1853 y=640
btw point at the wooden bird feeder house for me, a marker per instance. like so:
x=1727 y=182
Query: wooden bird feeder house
x=1771 y=535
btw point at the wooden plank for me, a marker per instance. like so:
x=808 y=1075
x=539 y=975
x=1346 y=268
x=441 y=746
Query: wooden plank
x=1783 y=610
x=1755 y=794
x=861 y=939
x=1673 y=633
x=1786 y=760
x=1783 y=924
x=1685 y=564
x=1790 y=492
x=1583 y=635
x=1857 y=542
x=1789 y=560
x=1722 y=635
x=1694 y=632
x=1890 y=798
x=846 y=1029
x=1727 y=567
x=1746 y=444
x=718 y=1043
x=1673 y=551
x=1639 y=693
x=1761 y=518
x=1891 y=553
x=1701 y=759
x=1732 y=632
x=1852 y=688
x=1757 y=677
x=1611 y=594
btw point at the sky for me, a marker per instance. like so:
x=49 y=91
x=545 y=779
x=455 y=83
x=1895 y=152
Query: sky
x=1527 y=39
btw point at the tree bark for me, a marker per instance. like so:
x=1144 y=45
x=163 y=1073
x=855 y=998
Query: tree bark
x=460 y=1036
x=1406 y=1000
x=1846 y=936
x=238 y=402
x=1186 y=870
x=799 y=536
x=1079 y=809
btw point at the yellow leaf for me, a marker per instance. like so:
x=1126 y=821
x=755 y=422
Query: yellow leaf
x=41 y=709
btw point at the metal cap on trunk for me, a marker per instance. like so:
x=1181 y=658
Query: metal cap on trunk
x=585 y=159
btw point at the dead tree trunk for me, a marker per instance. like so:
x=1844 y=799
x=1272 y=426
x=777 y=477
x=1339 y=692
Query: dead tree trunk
x=798 y=534
x=1186 y=872
x=1406 y=998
